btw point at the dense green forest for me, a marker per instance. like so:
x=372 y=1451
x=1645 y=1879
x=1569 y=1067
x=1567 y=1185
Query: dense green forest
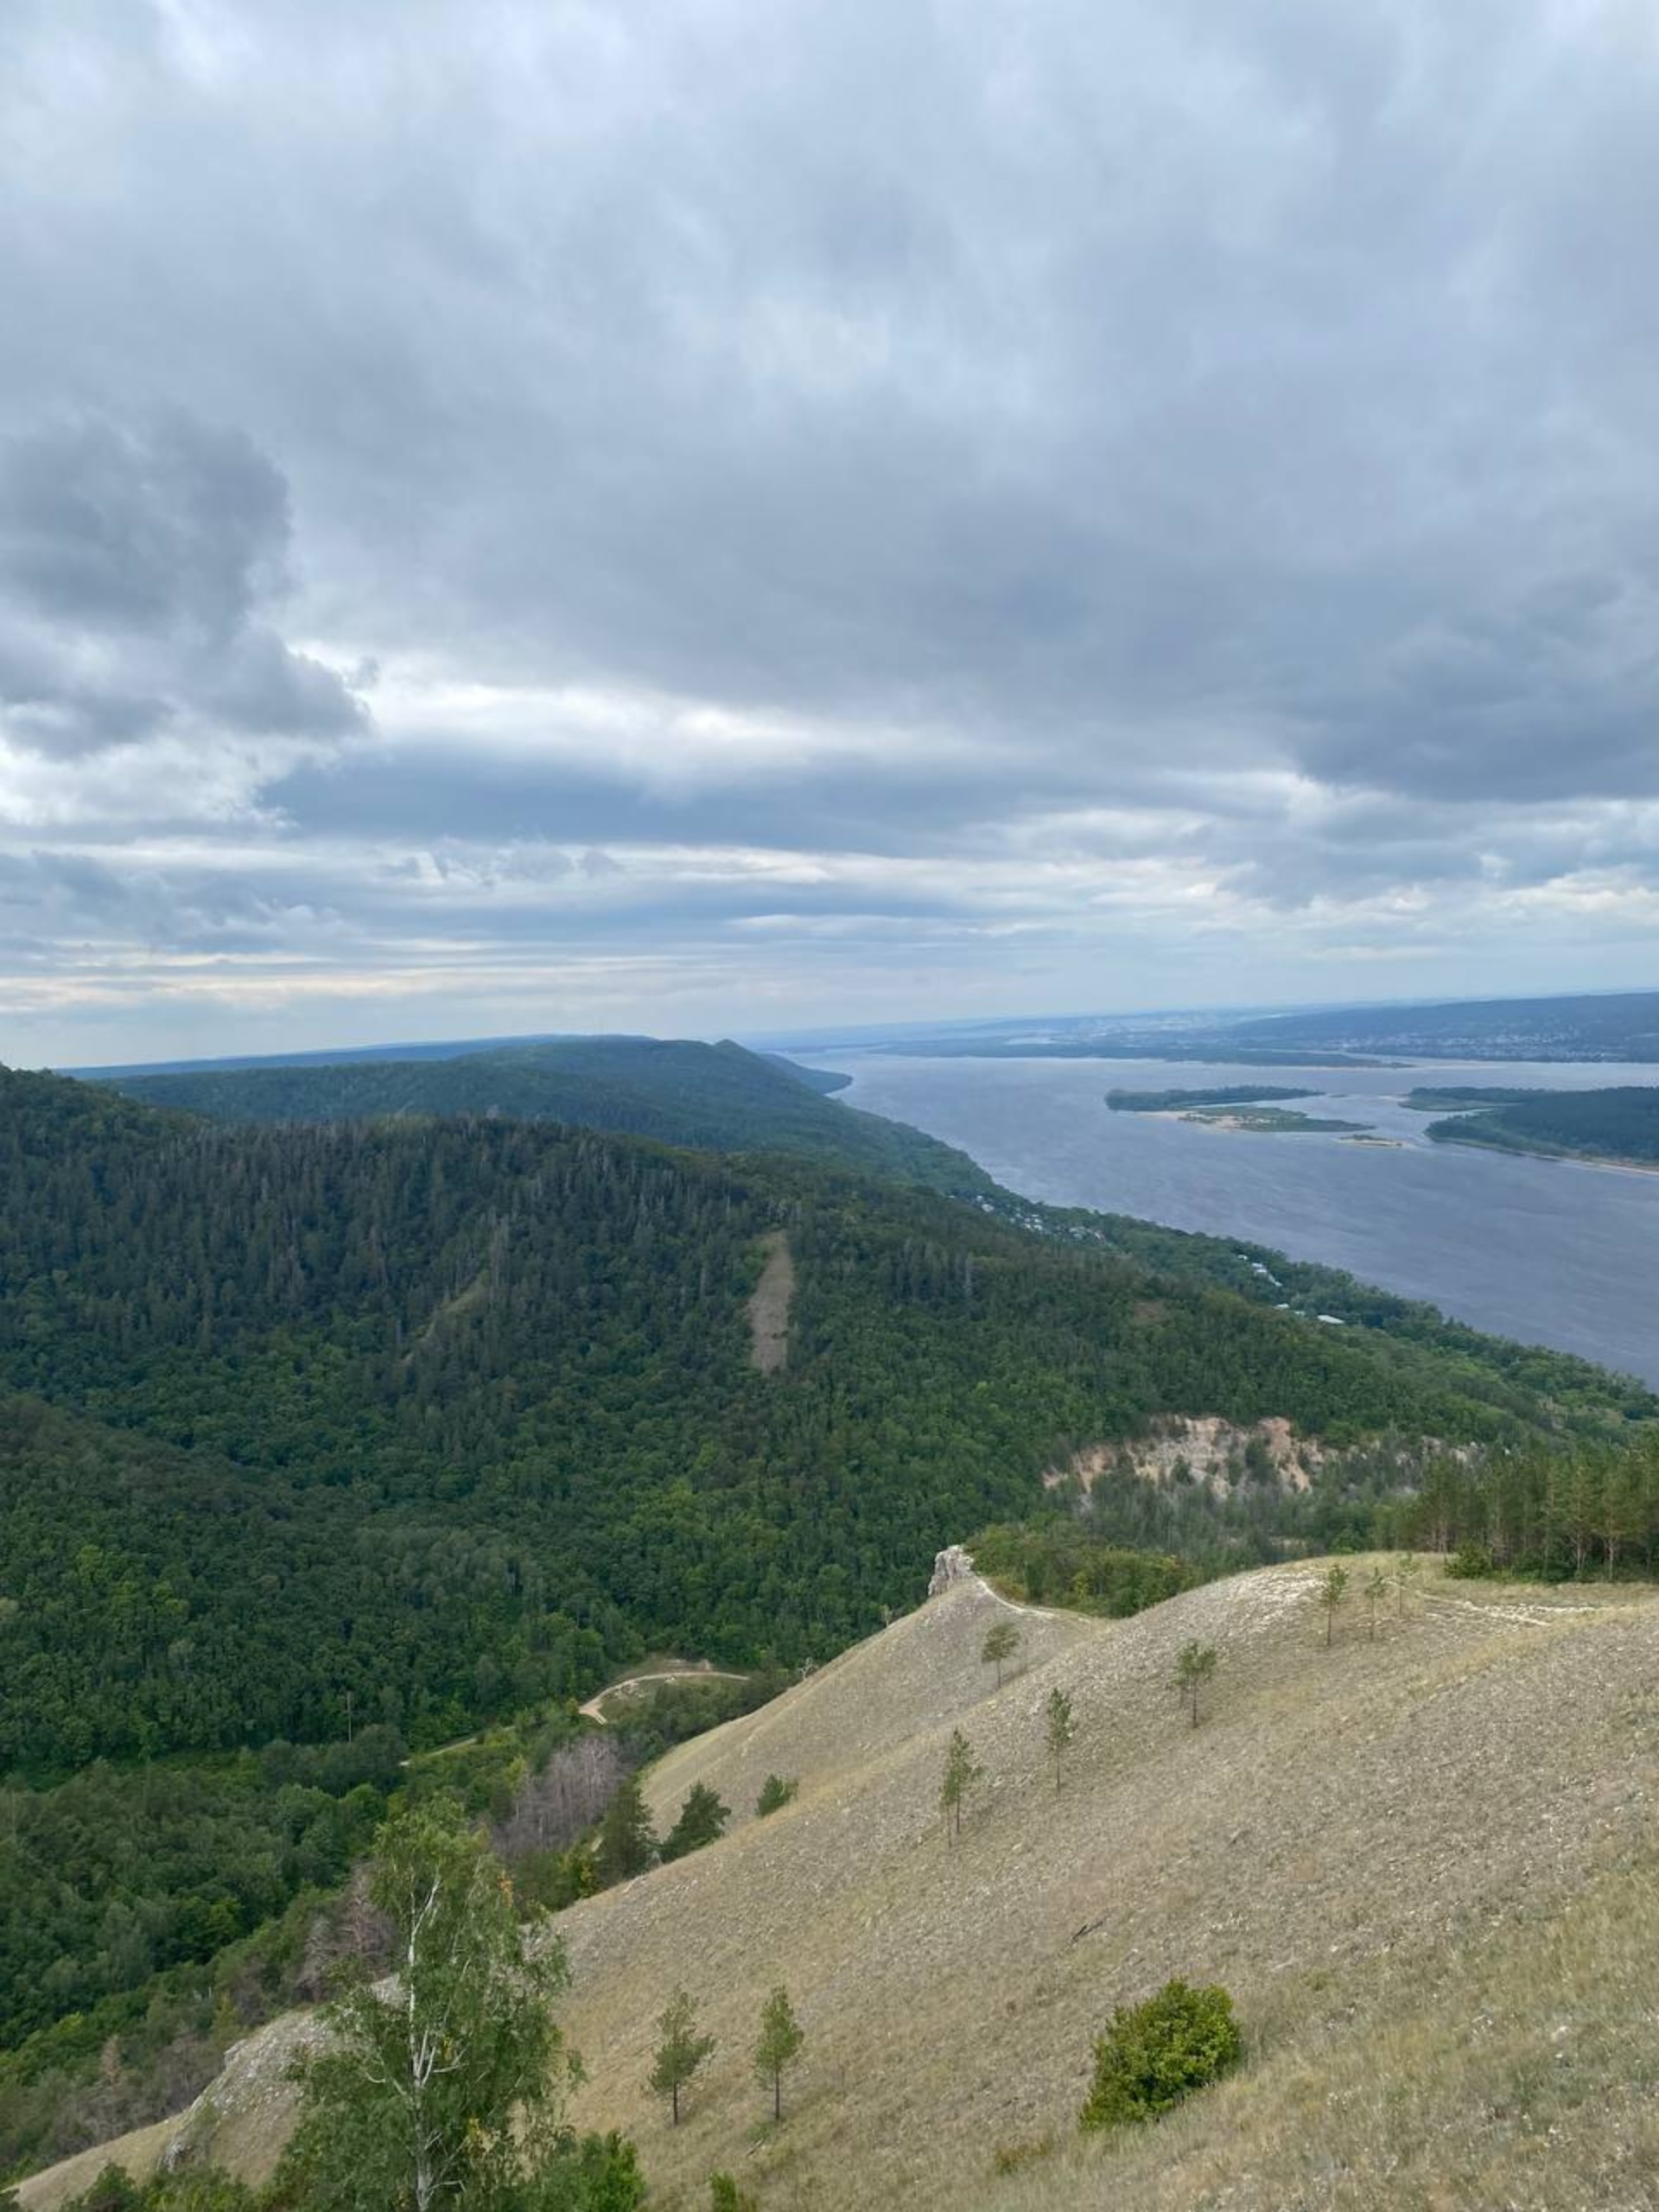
x=154 y=1599
x=442 y=1418
x=712 y=1097
x=1620 y=1123
x=121 y=1873
x=1593 y=1511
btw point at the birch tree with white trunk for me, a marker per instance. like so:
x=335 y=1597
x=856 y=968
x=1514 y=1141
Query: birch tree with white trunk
x=447 y=2083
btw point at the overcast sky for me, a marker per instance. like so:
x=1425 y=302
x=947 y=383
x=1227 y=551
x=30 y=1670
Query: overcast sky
x=701 y=514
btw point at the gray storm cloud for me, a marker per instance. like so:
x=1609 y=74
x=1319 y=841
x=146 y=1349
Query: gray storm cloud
x=1085 y=501
x=136 y=564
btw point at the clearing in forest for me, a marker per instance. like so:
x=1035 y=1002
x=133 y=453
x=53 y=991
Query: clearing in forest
x=769 y=1305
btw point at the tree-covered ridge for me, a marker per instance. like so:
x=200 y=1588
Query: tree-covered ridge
x=154 y=1600
x=712 y=1097
x=1519 y=1377
x=437 y=1417
x=827 y=1080
x=908 y=1154
x=1617 y=1123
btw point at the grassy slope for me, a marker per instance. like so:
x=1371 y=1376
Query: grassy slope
x=714 y=1098
x=1422 y=1866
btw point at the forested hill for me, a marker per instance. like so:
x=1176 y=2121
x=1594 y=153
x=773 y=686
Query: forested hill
x=711 y=1097
x=442 y=1415
x=445 y=1414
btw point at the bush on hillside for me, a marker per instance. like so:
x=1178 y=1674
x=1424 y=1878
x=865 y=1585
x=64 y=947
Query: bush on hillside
x=590 y=2173
x=1058 y=1560
x=1470 y=1562
x=702 y=1821
x=1155 y=2054
x=725 y=2196
x=204 y=2190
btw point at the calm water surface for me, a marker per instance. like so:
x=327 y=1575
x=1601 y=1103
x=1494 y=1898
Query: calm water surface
x=1548 y=1251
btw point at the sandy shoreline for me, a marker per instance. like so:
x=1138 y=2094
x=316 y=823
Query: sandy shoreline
x=1237 y=1124
x=1556 y=1158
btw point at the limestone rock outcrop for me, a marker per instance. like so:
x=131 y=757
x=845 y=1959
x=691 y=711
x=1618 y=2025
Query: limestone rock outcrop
x=951 y=1565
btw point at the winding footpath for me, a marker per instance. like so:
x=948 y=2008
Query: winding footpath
x=592 y=1708
x=1036 y=1612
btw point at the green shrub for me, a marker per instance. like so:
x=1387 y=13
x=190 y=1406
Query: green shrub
x=205 y=2189
x=1470 y=1562
x=725 y=2196
x=702 y=1821
x=590 y=2173
x=776 y=1791
x=114 y=2190
x=1155 y=2054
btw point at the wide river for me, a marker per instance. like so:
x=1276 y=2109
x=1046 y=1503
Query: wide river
x=1549 y=1251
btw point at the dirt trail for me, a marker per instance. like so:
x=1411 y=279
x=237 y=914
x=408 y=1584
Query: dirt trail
x=666 y=1674
x=1535 y=1615
x=1036 y=1612
x=769 y=1305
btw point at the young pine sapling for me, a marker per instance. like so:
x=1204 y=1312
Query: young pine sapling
x=1194 y=1666
x=1061 y=1728
x=1001 y=1644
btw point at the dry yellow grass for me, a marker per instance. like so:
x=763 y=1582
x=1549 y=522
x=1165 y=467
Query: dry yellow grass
x=1424 y=1866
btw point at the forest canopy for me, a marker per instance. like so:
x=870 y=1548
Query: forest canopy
x=711 y=1097
x=1618 y=1123
x=442 y=1418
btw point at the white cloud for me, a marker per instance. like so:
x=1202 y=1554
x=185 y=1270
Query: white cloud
x=648 y=513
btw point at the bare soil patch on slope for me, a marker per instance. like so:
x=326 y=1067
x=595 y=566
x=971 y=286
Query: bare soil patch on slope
x=769 y=1304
